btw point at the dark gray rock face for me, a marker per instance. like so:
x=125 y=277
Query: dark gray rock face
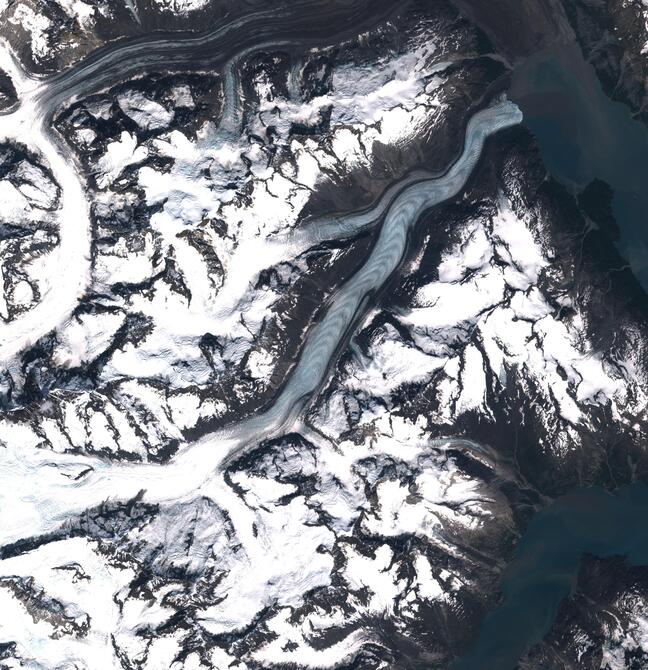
x=613 y=37
x=602 y=624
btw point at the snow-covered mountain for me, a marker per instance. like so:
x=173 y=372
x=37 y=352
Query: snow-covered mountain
x=296 y=333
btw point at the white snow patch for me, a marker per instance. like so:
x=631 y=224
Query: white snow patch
x=146 y=113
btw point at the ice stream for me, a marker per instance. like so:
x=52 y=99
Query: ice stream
x=41 y=490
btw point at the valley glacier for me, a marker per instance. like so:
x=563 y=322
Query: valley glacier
x=296 y=335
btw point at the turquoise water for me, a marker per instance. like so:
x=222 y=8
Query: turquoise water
x=546 y=564
x=583 y=135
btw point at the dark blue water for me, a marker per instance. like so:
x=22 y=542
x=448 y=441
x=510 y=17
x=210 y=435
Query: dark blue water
x=583 y=135
x=546 y=564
